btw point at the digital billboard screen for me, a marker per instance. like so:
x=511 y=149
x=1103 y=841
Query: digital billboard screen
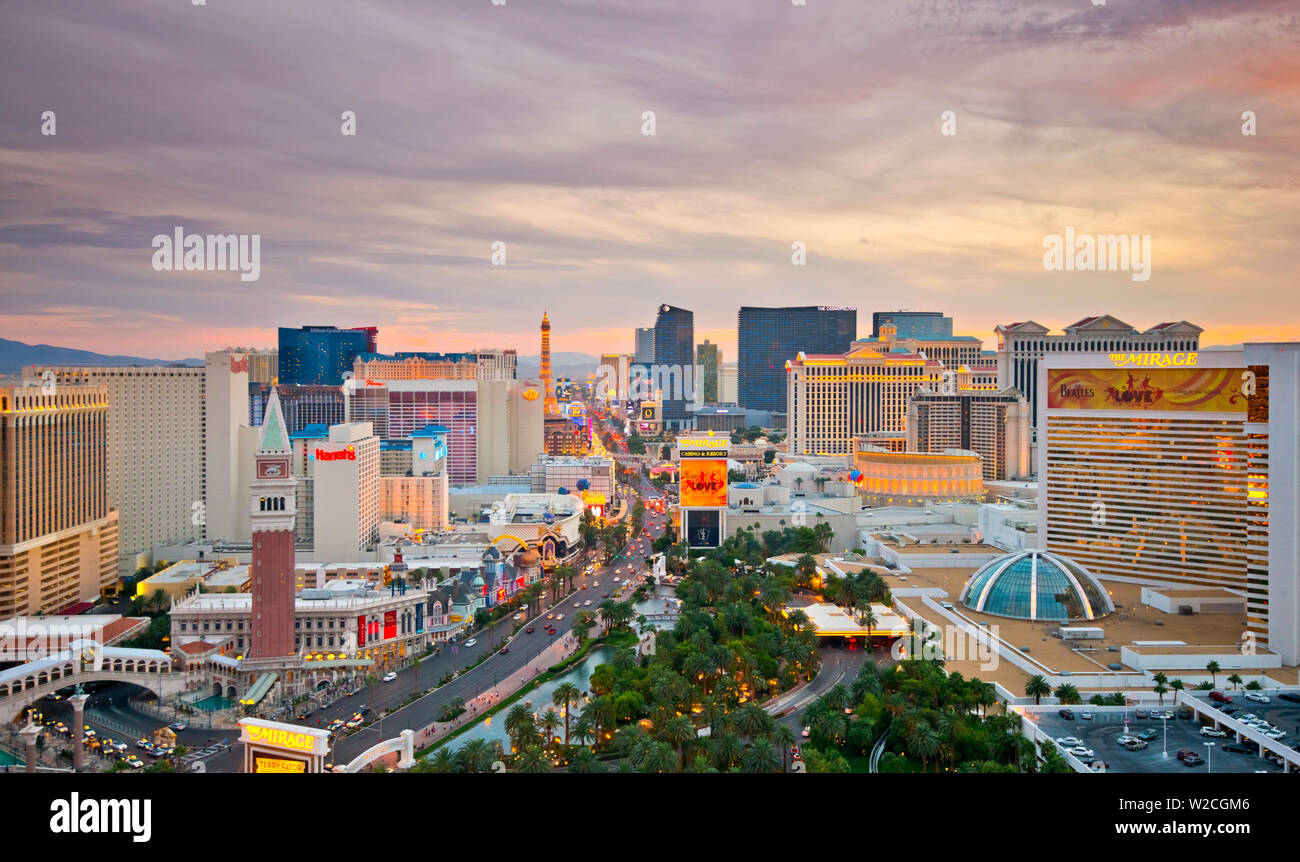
x=703 y=528
x=1216 y=390
x=703 y=482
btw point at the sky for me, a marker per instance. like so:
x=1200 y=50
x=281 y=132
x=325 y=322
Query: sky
x=524 y=124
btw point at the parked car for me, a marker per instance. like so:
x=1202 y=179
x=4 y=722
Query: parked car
x=1141 y=713
x=1081 y=751
x=176 y=726
x=1148 y=734
x=1067 y=714
x=1290 y=695
x=1256 y=697
x=1125 y=739
x=1068 y=741
x=1086 y=715
x=1213 y=731
x=1184 y=753
x=1236 y=749
x=1276 y=733
x=1193 y=759
x=1135 y=745
x=1220 y=697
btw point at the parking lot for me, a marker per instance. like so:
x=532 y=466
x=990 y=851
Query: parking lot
x=1100 y=733
x=1279 y=713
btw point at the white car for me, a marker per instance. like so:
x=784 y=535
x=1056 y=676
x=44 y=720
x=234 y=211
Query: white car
x=1255 y=696
x=1069 y=741
x=471 y=642
x=1081 y=751
x=807 y=731
x=587 y=602
x=1086 y=715
x=1276 y=733
x=1125 y=739
x=1210 y=731
x=390 y=676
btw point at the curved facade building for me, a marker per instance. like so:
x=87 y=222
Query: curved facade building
x=1036 y=585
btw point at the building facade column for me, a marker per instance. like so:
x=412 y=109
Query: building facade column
x=78 y=702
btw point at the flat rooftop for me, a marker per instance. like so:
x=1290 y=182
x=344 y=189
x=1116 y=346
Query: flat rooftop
x=941 y=547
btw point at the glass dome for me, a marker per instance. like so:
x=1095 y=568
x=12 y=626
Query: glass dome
x=1036 y=585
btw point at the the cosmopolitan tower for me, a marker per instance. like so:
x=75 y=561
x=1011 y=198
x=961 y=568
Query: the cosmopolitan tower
x=272 y=514
x=549 y=406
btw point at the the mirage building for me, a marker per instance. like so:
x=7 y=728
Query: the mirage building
x=1179 y=468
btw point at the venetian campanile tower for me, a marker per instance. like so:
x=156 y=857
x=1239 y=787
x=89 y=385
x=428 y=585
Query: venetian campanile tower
x=272 y=513
x=549 y=405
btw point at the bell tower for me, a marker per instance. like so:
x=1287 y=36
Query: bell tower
x=272 y=513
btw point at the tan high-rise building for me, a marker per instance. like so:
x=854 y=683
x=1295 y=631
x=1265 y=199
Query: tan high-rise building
x=155 y=451
x=58 y=537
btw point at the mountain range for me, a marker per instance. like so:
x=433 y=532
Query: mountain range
x=16 y=354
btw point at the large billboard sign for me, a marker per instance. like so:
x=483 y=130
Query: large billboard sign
x=703 y=483
x=703 y=528
x=1169 y=389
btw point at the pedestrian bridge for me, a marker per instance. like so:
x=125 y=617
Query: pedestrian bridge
x=87 y=662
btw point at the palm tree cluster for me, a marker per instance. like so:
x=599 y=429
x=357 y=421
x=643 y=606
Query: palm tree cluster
x=933 y=719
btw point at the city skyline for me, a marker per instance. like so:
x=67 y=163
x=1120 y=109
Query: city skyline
x=1066 y=117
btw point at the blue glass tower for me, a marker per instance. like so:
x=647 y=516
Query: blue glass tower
x=768 y=337
x=319 y=355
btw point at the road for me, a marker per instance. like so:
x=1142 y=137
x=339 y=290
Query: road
x=522 y=649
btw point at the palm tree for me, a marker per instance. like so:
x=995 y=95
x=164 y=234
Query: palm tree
x=1213 y=669
x=922 y=741
x=478 y=755
x=869 y=619
x=584 y=761
x=1038 y=688
x=678 y=731
x=760 y=757
x=1067 y=694
x=532 y=760
x=566 y=694
x=1235 y=679
x=584 y=729
x=783 y=737
x=548 y=724
x=1160 y=691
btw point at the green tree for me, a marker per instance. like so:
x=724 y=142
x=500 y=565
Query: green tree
x=1038 y=688
x=1213 y=669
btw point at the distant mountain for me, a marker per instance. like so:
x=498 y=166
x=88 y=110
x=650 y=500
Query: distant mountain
x=15 y=354
x=575 y=366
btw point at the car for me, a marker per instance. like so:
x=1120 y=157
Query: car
x=1236 y=749
x=604 y=595
x=176 y=726
x=1193 y=759
x=142 y=743
x=559 y=616
x=135 y=763
x=353 y=724
x=577 y=604
x=1081 y=751
x=1141 y=713
x=1135 y=745
x=1086 y=715
x=1256 y=697
x=362 y=712
x=390 y=676
x=1229 y=710
x=1068 y=741
x=1213 y=731
x=1248 y=717
x=337 y=723
x=471 y=642
x=1276 y=733
x=1125 y=739
x=1067 y=714
x=1291 y=696
x=1168 y=714
x=806 y=732
x=1148 y=734
x=550 y=631
x=1184 y=753
x=1220 y=697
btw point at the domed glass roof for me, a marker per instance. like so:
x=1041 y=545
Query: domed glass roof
x=1036 y=585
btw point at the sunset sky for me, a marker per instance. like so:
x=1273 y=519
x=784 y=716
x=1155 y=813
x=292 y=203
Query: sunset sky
x=522 y=123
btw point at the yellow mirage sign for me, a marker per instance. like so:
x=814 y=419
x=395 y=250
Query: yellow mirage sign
x=280 y=738
x=1153 y=360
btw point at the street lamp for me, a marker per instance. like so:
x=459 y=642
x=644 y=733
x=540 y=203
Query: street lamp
x=1164 y=724
x=1208 y=747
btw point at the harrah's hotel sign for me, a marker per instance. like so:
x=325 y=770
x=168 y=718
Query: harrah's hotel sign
x=348 y=454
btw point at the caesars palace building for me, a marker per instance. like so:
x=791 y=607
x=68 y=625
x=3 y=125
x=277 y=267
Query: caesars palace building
x=1179 y=469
